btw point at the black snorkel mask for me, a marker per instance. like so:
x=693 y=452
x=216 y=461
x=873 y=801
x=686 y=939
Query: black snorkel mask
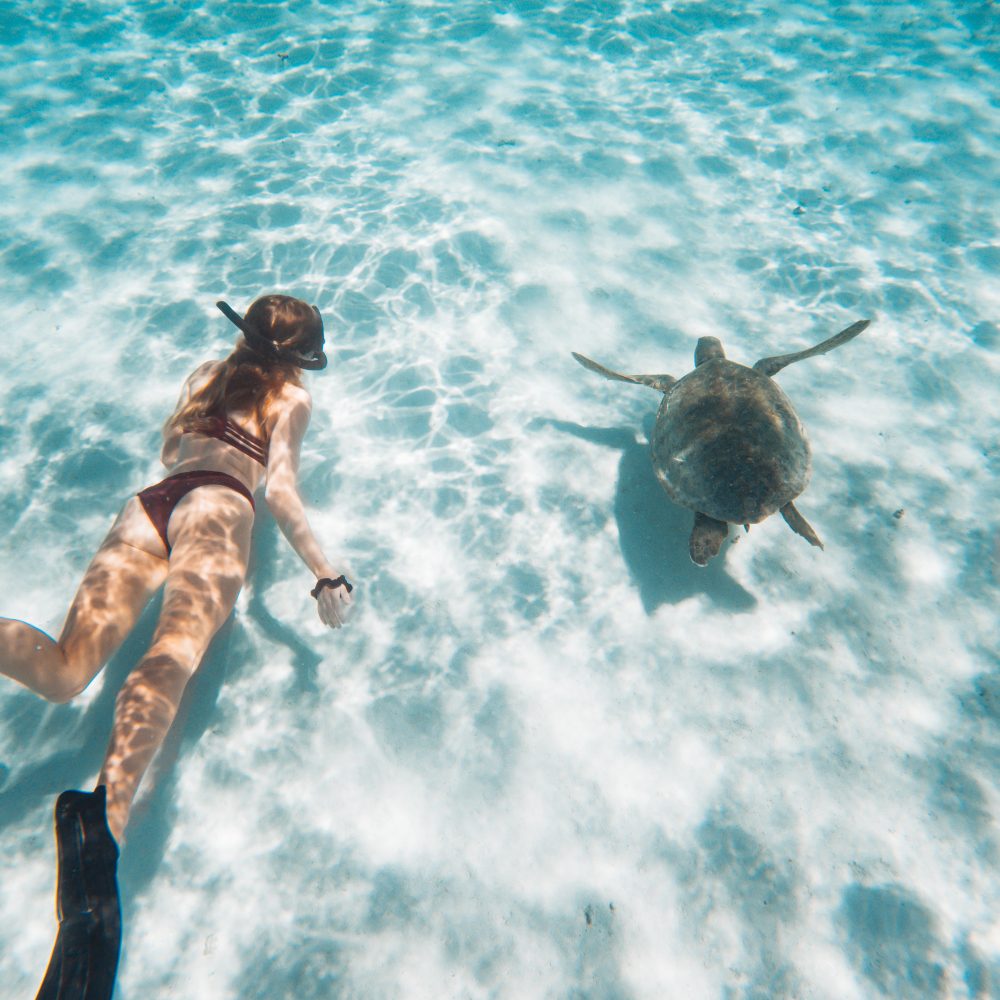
x=314 y=361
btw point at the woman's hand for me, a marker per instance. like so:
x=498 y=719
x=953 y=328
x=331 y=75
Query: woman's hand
x=334 y=605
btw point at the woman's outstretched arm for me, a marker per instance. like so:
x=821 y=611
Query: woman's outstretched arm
x=285 y=503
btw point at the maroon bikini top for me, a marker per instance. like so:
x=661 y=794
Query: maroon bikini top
x=224 y=429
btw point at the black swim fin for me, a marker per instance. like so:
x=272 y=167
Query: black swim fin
x=85 y=956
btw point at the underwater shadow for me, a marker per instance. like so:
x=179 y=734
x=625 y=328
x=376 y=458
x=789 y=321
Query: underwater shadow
x=894 y=941
x=653 y=532
x=265 y=569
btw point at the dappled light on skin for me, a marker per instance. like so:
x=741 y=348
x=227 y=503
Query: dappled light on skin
x=144 y=711
x=210 y=533
x=118 y=584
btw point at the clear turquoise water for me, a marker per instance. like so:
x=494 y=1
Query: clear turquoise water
x=550 y=757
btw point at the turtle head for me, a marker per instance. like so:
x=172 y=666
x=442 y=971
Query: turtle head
x=708 y=349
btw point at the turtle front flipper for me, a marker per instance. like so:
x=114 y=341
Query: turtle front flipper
x=771 y=366
x=659 y=382
x=707 y=537
x=799 y=524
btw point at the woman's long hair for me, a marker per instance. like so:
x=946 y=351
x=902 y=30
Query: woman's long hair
x=246 y=380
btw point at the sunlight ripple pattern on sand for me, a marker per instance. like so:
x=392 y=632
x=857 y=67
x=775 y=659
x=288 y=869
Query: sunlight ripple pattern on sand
x=549 y=757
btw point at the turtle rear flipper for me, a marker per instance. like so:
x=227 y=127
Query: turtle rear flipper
x=771 y=366
x=707 y=537
x=659 y=382
x=799 y=524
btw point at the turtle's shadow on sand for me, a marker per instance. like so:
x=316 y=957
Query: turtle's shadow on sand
x=653 y=532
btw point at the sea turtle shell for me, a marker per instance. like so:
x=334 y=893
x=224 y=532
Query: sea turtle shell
x=728 y=443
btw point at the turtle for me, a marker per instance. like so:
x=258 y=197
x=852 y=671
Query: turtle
x=727 y=442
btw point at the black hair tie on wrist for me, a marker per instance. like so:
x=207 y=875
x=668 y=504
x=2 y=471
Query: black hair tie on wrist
x=341 y=581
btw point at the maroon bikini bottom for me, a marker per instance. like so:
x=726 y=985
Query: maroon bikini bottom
x=160 y=500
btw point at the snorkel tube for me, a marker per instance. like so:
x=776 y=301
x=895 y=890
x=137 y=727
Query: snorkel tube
x=314 y=361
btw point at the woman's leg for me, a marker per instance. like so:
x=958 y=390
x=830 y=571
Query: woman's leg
x=122 y=577
x=210 y=537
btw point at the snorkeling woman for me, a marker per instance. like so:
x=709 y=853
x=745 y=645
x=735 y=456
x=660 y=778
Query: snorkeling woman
x=239 y=423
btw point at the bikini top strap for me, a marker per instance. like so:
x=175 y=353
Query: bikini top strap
x=224 y=429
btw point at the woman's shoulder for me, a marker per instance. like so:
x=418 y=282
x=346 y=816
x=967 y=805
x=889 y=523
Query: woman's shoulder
x=292 y=395
x=290 y=406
